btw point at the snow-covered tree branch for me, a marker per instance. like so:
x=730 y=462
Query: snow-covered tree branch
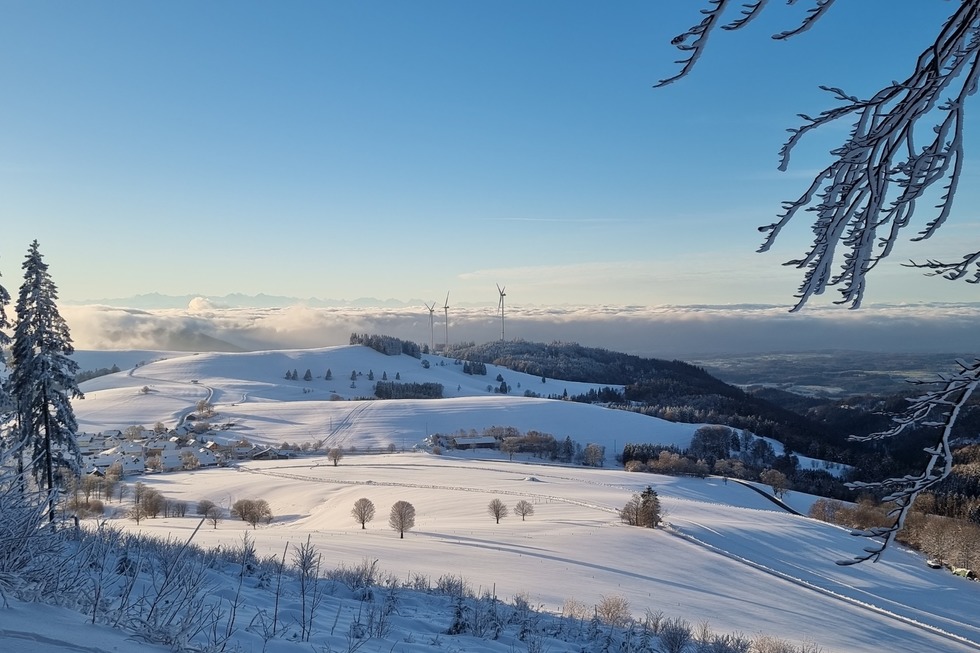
x=905 y=141
x=936 y=409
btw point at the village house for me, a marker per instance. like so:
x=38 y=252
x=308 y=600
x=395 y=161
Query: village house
x=472 y=442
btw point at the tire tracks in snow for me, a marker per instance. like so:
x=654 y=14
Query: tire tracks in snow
x=871 y=607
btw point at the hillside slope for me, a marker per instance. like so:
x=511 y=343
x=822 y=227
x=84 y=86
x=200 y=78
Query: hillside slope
x=728 y=557
x=254 y=400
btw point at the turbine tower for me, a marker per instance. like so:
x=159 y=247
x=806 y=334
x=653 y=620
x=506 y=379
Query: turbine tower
x=500 y=307
x=445 y=308
x=432 y=334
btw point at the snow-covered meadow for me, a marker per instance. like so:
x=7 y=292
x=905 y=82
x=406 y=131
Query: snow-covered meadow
x=727 y=557
x=249 y=390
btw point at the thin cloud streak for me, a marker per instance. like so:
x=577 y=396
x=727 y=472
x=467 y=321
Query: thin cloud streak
x=659 y=331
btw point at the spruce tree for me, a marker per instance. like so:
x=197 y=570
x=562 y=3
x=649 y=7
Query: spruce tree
x=650 y=514
x=42 y=381
x=5 y=401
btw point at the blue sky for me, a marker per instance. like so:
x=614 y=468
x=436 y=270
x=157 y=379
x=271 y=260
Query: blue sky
x=406 y=149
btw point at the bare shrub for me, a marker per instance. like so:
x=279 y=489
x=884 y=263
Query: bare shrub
x=614 y=611
x=575 y=609
x=452 y=586
x=636 y=466
x=356 y=576
x=85 y=508
x=675 y=634
x=653 y=621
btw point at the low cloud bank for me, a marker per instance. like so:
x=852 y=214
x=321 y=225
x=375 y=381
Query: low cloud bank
x=661 y=331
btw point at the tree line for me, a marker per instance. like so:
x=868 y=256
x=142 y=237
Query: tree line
x=511 y=440
x=387 y=345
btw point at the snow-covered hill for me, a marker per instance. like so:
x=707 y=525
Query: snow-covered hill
x=728 y=556
x=250 y=391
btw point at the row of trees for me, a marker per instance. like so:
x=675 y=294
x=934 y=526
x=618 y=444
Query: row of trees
x=401 y=517
x=387 y=345
x=395 y=390
x=36 y=396
x=540 y=445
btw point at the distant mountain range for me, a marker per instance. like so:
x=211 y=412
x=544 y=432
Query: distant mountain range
x=239 y=300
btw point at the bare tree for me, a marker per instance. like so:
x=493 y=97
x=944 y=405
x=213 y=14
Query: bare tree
x=122 y=490
x=189 y=461
x=363 y=511
x=205 y=408
x=147 y=502
x=204 y=505
x=252 y=511
x=904 y=140
x=153 y=502
x=134 y=432
x=524 y=509
x=510 y=446
x=629 y=514
x=213 y=515
x=402 y=517
x=593 y=455
x=776 y=480
x=335 y=455
x=497 y=509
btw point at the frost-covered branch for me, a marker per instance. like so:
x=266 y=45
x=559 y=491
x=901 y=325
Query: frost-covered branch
x=904 y=140
x=969 y=264
x=866 y=197
x=936 y=409
x=693 y=41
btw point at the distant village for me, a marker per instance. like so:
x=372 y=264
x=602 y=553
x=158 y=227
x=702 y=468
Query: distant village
x=190 y=445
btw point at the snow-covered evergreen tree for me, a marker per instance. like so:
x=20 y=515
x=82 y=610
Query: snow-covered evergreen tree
x=42 y=381
x=5 y=404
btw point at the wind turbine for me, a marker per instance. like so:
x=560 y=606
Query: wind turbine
x=446 y=309
x=432 y=336
x=500 y=307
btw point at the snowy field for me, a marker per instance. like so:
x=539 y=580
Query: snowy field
x=727 y=556
x=249 y=391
